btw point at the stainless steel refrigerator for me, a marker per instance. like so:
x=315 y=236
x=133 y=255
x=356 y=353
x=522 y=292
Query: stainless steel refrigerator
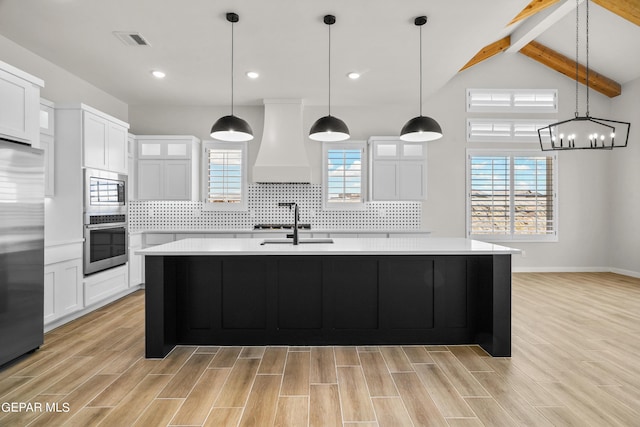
x=21 y=249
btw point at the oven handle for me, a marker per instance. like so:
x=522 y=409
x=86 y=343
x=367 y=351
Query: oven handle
x=105 y=225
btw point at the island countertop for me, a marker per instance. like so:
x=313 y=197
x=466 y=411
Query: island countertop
x=341 y=246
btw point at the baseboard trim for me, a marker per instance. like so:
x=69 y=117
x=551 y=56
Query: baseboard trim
x=576 y=270
x=629 y=273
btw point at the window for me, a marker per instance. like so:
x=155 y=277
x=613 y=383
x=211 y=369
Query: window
x=225 y=175
x=505 y=130
x=511 y=195
x=512 y=100
x=344 y=175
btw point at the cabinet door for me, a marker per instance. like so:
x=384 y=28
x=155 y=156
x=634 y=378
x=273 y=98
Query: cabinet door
x=150 y=177
x=411 y=180
x=63 y=292
x=150 y=149
x=177 y=179
x=47 y=145
x=385 y=180
x=19 y=108
x=135 y=267
x=95 y=130
x=117 y=151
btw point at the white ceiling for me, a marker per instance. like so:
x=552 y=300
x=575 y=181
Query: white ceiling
x=286 y=42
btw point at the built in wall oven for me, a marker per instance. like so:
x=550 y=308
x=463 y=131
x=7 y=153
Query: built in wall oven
x=105 y=220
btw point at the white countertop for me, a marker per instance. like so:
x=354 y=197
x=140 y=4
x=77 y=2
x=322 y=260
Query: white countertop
x=282 y=230
x=375 y=246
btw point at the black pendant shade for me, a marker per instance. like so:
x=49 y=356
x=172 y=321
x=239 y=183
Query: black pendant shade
x=421 y=128
x=329 y=128
x=231 y=128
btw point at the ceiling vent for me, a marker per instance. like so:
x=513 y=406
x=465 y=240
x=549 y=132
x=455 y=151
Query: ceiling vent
x=131 y=38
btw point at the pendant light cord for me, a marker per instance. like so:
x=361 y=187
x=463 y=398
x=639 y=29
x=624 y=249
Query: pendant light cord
x=577 y=52
x=232 y=25
x=587 y=53
x=420 y=27
x=329 y=69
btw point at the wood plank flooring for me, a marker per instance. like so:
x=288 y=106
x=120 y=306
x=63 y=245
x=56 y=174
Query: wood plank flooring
x=576 y=361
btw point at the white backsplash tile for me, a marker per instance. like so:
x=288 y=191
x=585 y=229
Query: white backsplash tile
x=263 y=209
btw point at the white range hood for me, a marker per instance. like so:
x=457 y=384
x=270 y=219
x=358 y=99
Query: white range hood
x=282 y=156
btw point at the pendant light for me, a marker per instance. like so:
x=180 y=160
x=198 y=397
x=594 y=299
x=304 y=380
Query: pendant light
x=584 y=132
x=329 y=128
x=232 y=128
x=421 y=128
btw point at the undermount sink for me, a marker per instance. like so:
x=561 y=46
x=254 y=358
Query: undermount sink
x=300 y=241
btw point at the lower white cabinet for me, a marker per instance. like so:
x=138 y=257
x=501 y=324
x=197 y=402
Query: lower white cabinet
x=100 y=286
x=63 y=291
x=135 y=261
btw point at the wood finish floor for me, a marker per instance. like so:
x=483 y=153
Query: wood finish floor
x=576 y=361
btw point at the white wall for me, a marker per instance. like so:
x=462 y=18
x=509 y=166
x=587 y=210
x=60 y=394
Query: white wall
x=583 y=175
x=60 y=85
x=624 y=189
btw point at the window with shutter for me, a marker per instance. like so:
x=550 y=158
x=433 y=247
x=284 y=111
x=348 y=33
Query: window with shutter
x=511 y=195
x=344 y=175
x=225 y=180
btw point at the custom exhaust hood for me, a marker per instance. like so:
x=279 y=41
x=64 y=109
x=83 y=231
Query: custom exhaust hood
x=282 y=156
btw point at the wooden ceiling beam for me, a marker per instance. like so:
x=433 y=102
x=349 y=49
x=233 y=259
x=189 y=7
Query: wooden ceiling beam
x=488 y=51
x=567 y=66
x=627 y=9
x=532 y=8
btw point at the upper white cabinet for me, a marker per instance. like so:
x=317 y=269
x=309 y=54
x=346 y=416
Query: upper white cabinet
x=168 y=167
x=105 y=142
x=19 y=105
x=398 y=169
x=102 y=138
x=47 y=144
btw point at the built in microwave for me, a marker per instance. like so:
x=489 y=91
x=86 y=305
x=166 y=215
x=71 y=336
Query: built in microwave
x=104 y=192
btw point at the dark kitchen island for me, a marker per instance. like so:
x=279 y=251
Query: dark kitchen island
x=350 y=292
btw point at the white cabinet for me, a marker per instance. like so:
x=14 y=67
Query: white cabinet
x=105 y=142
x=135 y=261
x=132 y=188
x=47 y=144
x=398 y=169
x=168 y=167
x=62 y=289
x=19 y=105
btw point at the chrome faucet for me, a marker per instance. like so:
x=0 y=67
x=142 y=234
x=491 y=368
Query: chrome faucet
x=296 y=215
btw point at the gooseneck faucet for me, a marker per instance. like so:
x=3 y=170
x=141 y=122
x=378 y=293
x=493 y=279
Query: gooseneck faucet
x=296 y=215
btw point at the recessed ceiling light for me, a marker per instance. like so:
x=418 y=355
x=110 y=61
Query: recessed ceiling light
x=158 y=74
x=353 y=75
x=252 y=74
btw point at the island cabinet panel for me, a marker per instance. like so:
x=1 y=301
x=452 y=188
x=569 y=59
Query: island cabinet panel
x=328 y=300
x=200 y=286
x=407 y=293
x=299 y=288
x=352 y=284
x=244 y=294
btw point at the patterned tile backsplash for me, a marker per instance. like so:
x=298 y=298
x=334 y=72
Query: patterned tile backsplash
x=263 y=209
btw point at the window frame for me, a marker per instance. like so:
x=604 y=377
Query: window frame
x=225 y=206
x=511 y=106
x=511 y=237
x=351 y=145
